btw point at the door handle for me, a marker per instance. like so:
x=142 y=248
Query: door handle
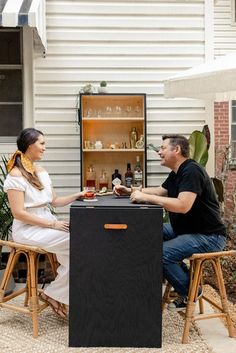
x=115 y=226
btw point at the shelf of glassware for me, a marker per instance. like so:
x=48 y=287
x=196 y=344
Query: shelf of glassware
x=120 y=106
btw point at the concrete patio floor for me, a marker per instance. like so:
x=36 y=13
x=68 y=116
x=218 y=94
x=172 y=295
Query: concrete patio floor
x=216 y=334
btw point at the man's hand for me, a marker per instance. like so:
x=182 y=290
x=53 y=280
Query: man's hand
x=138 y=196
x=121 y=190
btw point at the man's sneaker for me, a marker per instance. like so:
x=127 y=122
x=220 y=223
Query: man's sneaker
x=178 y=304
x=173 y=294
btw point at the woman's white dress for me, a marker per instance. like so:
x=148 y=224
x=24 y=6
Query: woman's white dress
x=51 y=240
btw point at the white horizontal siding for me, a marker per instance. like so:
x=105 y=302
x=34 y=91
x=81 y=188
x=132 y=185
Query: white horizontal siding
x=84 y=35
x=224 y=28
x=134 y=46
x=122 y=8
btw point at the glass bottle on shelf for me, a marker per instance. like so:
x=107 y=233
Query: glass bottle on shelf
x=128 y=176
x=138 y=173
x=103 y=180
x=133 y=137
x=140 y=142
x=116 y=178
x=91 y=177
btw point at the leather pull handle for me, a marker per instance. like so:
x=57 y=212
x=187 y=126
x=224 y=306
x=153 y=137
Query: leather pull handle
x=115 y=226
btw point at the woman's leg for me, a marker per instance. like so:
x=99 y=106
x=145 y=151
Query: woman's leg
x=59 y=288
x=56 y=242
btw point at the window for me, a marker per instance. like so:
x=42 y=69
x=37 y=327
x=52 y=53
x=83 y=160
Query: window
x=233 y=132
x=11 y=87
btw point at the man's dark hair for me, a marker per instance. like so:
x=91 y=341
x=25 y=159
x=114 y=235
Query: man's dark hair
x=178 y=140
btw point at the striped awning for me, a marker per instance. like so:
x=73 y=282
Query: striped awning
x=18 y=13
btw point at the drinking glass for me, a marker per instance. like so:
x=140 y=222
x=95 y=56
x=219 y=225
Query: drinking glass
x=118 y=111
x=90 y=192
x=108 y=111
x=128 y=110
x=137 y=110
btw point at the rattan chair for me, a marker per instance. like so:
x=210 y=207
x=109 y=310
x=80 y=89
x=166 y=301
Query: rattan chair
x=197 y=262
x=31 y=305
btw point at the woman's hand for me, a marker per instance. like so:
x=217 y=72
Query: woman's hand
x=60 y=225
x=80 y=195
x=120 y=190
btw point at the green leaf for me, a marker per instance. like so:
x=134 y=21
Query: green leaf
x=198 y=147
x=219 y=187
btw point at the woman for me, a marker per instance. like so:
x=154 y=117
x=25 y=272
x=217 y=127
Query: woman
x=30 y=191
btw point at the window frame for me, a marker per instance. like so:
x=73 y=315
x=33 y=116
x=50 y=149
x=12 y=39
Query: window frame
x=4 y=139
x=27 y=52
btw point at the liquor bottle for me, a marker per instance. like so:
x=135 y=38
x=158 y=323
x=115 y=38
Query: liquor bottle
x=138 y=173
x=116 y=178
x=91 y=177
x=128 y=176
x=133 y=137
x=103 y=180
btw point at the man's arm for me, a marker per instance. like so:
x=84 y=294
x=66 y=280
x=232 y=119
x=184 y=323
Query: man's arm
x=181 y=204
x=158 y=191
x=123 y=190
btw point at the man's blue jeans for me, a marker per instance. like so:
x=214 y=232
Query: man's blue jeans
x=177 y=248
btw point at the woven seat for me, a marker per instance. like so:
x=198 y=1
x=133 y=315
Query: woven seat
x=31 y=305
x=197 y=262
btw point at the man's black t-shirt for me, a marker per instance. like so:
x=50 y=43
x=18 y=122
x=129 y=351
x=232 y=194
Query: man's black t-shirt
x=204 y=216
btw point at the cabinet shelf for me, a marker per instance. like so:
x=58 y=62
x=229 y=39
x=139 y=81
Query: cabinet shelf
x=116 y=119
x=112 y=150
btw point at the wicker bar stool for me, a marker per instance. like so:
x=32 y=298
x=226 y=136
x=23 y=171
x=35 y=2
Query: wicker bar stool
x=31 y=304
x=197 y=262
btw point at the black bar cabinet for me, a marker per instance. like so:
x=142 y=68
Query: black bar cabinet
x=115 y=274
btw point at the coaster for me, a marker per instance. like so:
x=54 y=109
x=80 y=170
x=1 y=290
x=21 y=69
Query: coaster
x=87 y=200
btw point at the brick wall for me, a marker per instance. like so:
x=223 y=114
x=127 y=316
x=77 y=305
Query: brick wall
x=221 y=147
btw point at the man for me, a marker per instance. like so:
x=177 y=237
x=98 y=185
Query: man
x=195 y=224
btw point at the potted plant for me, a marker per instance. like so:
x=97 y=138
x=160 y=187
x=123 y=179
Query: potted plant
x=102 y=87
x=6 y=218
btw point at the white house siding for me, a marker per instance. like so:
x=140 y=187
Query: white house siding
x=134 y=46
x=224 y=27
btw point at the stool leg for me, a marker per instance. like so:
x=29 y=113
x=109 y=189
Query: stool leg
x=33 y=300
x=165 y=298
x=223 y=297
x=28 y=289
x=53 y=262
x=7 y=273
x=191 y=300
x=201 y=305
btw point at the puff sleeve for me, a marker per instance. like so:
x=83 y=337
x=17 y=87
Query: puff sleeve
x=15 y=183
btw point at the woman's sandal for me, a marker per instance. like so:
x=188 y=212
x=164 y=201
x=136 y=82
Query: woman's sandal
x=56 y=306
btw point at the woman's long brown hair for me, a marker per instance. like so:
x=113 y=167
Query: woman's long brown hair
x=26 y=138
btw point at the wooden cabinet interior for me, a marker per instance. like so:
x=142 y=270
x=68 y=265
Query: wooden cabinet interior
x=109 y=119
